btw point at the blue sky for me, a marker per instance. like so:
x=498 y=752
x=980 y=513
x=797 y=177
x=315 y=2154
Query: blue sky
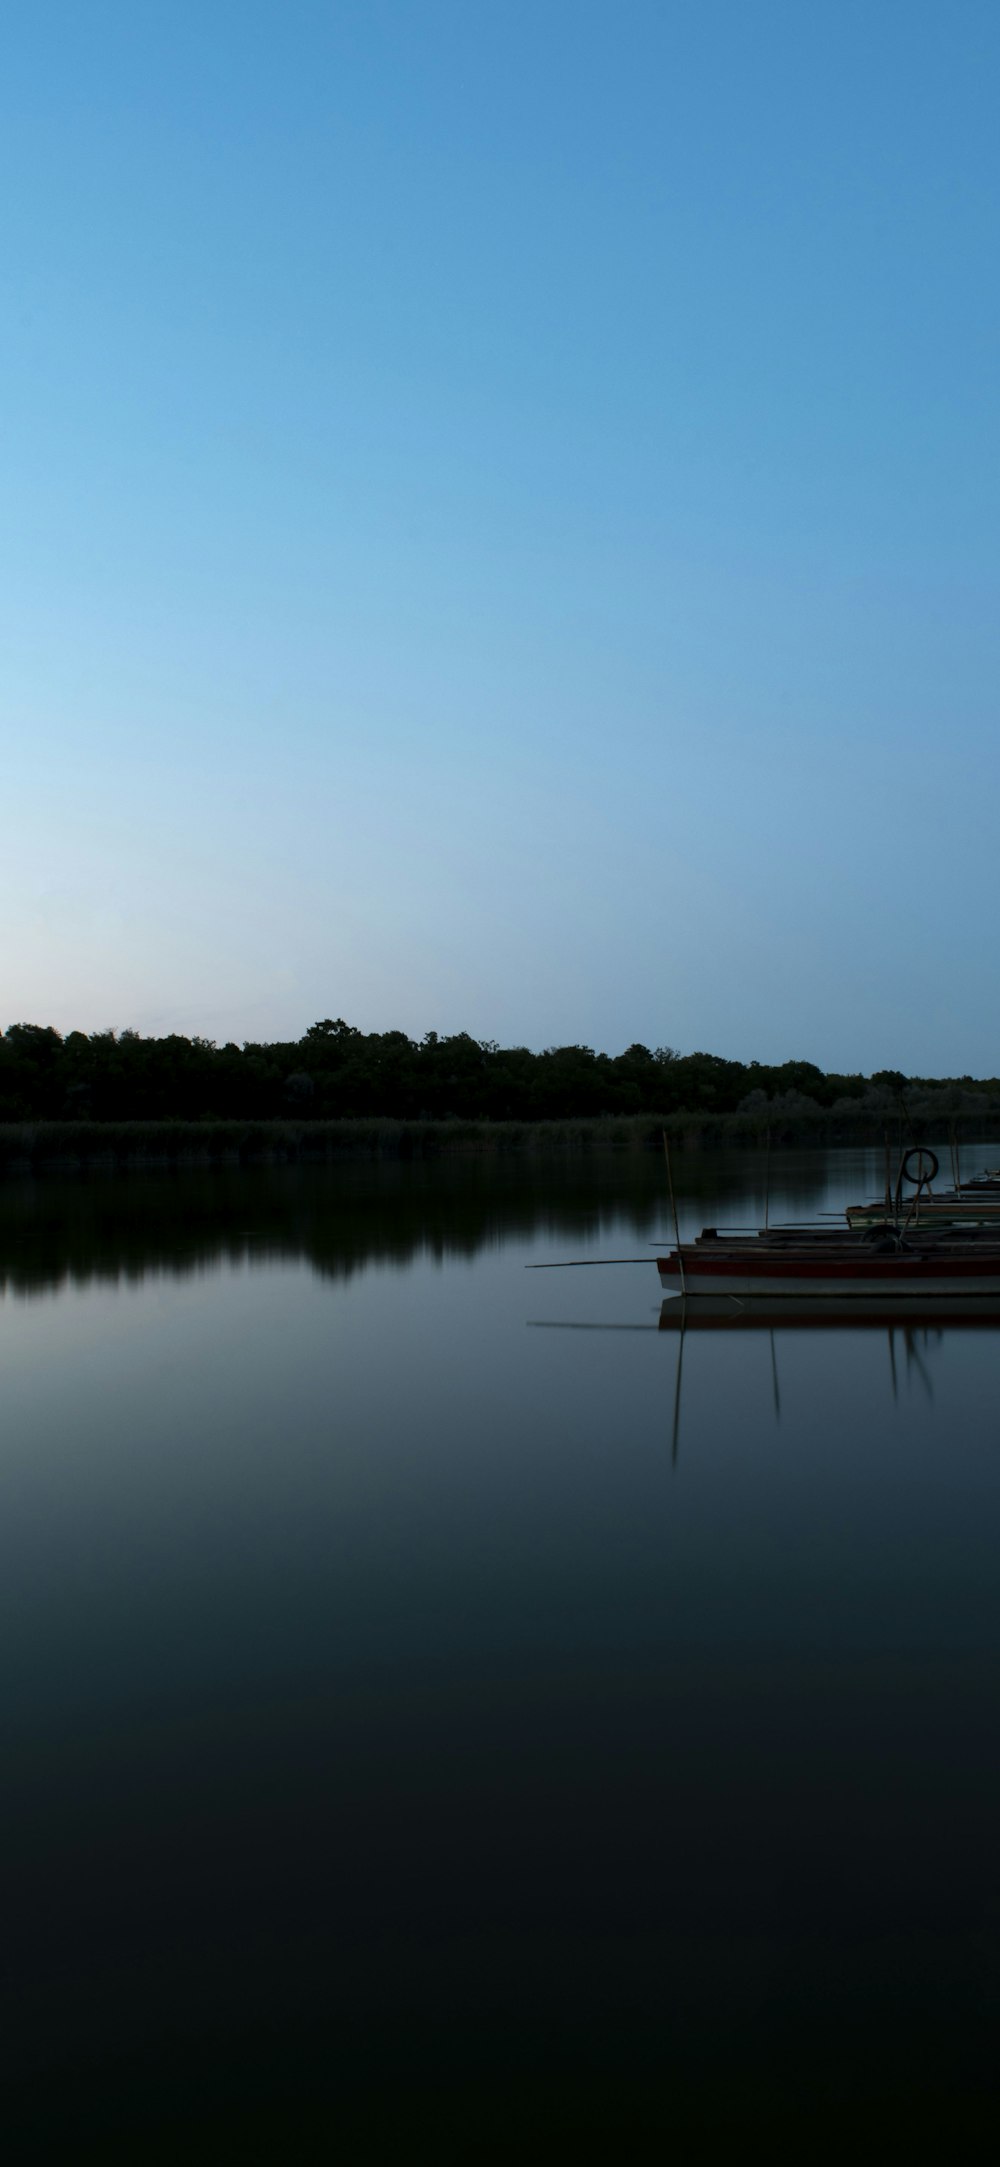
x=500 y=522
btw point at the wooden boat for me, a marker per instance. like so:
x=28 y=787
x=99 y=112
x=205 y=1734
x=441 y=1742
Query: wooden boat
x=951 y=1207
x=969 y=1203
x=942 y=1262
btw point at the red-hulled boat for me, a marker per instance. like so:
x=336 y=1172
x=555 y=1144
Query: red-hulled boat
x=926 y=1261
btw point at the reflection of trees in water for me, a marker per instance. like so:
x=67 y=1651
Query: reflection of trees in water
x=62 y=1232
x=66 y=1230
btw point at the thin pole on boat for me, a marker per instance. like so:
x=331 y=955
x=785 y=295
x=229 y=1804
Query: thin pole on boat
x=767 y=1179
x=888 y=1171
x=673 y=1207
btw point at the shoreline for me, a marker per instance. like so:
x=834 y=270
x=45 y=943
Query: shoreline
x=31 y=1146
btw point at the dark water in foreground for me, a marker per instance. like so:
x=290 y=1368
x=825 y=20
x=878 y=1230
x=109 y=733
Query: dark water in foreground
x=437 y=1726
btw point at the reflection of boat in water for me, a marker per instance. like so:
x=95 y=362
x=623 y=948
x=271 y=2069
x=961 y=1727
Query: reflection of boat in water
x=950 y=1263
x=722 y=1313
x=913 y=1329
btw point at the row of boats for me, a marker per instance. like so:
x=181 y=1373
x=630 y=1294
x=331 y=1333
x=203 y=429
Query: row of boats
x=921 y=1244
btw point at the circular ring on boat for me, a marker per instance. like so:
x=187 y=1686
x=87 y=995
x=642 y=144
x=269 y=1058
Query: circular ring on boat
x=927 y=1163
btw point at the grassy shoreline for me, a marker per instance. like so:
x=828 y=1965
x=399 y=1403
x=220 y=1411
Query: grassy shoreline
x=34 y=1145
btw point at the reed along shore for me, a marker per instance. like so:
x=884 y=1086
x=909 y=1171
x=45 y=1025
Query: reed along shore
x=31 y=1146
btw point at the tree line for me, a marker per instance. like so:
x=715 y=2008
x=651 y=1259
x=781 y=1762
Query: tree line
x=336 y=1071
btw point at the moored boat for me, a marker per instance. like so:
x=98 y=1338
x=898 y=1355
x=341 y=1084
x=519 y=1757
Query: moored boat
x=952 y=1207
x=926 y=1261
x=968 y=1203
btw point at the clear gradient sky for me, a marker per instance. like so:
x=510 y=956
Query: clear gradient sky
x=500 y=521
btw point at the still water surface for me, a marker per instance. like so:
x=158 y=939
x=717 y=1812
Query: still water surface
x=448 y=1712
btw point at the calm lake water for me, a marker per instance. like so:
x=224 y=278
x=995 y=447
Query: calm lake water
x=449 y=1714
